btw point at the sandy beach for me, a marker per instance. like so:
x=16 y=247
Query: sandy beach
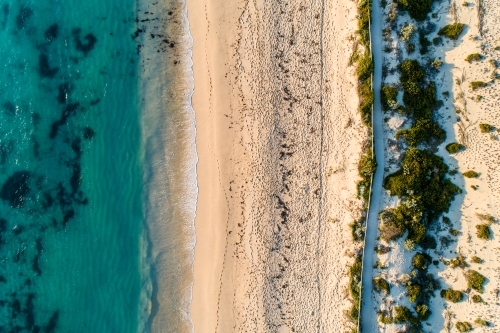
x=278 y=139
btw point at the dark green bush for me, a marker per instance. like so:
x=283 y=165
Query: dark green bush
x=483 y=231
x=418 y=9
x=478 y=84
x=451 y=295
x=404 y=315
x=411 y=71
x=477 y=299
x=388 y=93
x=452 y=31
x=481 y=322
x=454 y=147
x=463 y=326
x=486 y=128
x=419 y=261
x=364 y=69
x=474 y=57
x=424 y=43
x=381 y=285
x=422 y=311
x=474 y=280
x=423 y=131
x=471 y=174
x=414 y=291
x=458 y=262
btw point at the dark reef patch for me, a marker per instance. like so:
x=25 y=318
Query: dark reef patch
x=64 y=90
x=88 y=133
x=95 y=101
x=36 y=259
x=44 y=68
x=52 y=32
x=88 y=45
x=15 y=188
x=22 y=18
x=68 y=111
x=5 y=11
x=6 y=148
x=52 y=324
x=68 y=216
x=10 y=108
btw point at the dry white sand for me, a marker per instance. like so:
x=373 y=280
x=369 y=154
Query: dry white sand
x=278 y=137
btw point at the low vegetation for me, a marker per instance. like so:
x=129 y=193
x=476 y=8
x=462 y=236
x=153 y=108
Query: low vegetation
x=419 y=261
x=474 y=280
x=471 y=174
x=418 y=9
x=481 y=322
x=486 y=128
x=483 y=231
x=355 y=287
x=463 y=326
x=388 y=97
x=477 y=299
x=451 y=295
x=452 y=31
x=478 y=84
x=381 y=285
x=454 y=147
x=458 y=262
x=474 y=57
x=477 y=260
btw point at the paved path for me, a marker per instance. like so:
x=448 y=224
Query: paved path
x=368 y=312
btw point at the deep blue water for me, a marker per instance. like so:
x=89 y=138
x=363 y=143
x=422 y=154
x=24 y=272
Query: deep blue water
x=70 y=167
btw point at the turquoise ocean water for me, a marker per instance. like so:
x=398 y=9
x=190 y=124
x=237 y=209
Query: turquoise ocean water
x=76 y=216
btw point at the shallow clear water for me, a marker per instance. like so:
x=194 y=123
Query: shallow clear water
x=70 y=167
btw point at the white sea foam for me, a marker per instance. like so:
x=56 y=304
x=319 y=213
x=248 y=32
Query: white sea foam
x=169 y=159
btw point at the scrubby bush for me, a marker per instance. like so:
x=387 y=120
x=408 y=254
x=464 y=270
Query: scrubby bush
x=418 y=9
x=477 y=260
x=471 y=174
x=451 y=295
x=366 y=167
x=366 y=98
x=388 y=96
x=477 y=299
x=486 y=218
x=474 y=280
x=355 y=286
x=357 y=231
x=407 y=32
x=454 y=147
x=413 y=291
x=423 y=311
x=478 y=84
x=404 y=315
x=365 y=66
x=481 y=322
x=474 y=57
x=381 y=285
x=422 y=131
x=419 y=261
x=486 y=128
x=458 y=262
x=452 y=31
x=463 y=326
x=483 y=231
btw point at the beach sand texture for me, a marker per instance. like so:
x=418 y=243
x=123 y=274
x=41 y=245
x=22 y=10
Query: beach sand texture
x=278 y=137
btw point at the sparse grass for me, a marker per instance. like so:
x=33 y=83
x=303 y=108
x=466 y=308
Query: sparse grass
x=474 y=57
x=486 y=128
x=483 y=231
x=486 y=218
x=454 y=147
x=451 y=295
x=355 y=287
x=463 y=326
x=474 y=280
x=452 y=31
x=478 y=84
x=471 y=174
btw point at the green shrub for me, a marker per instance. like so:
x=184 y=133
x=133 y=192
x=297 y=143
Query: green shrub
x=477 y=260
x=451 y=295
x=366 y=98
x=454 y=147
x=481 y=322
x=355 y=286
x=486 y=128
x=423 y=131
x=471 y=174
x=486 y=218
x=483 y=231
x=458 y=262
x=364 y=69
x=478 y=84
x=463 y=326
x=423 y=311
x=414 y=291
x=418 y=9
x=404 y=315
x=411 y=71
x=357 y=231
x=419 y=261
x=381 y=285
x=474 y=57
x=384 y=318
x=388 y=97
x=407 y=32
x=477 y=299
x=452 y=31
x=474 y=280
